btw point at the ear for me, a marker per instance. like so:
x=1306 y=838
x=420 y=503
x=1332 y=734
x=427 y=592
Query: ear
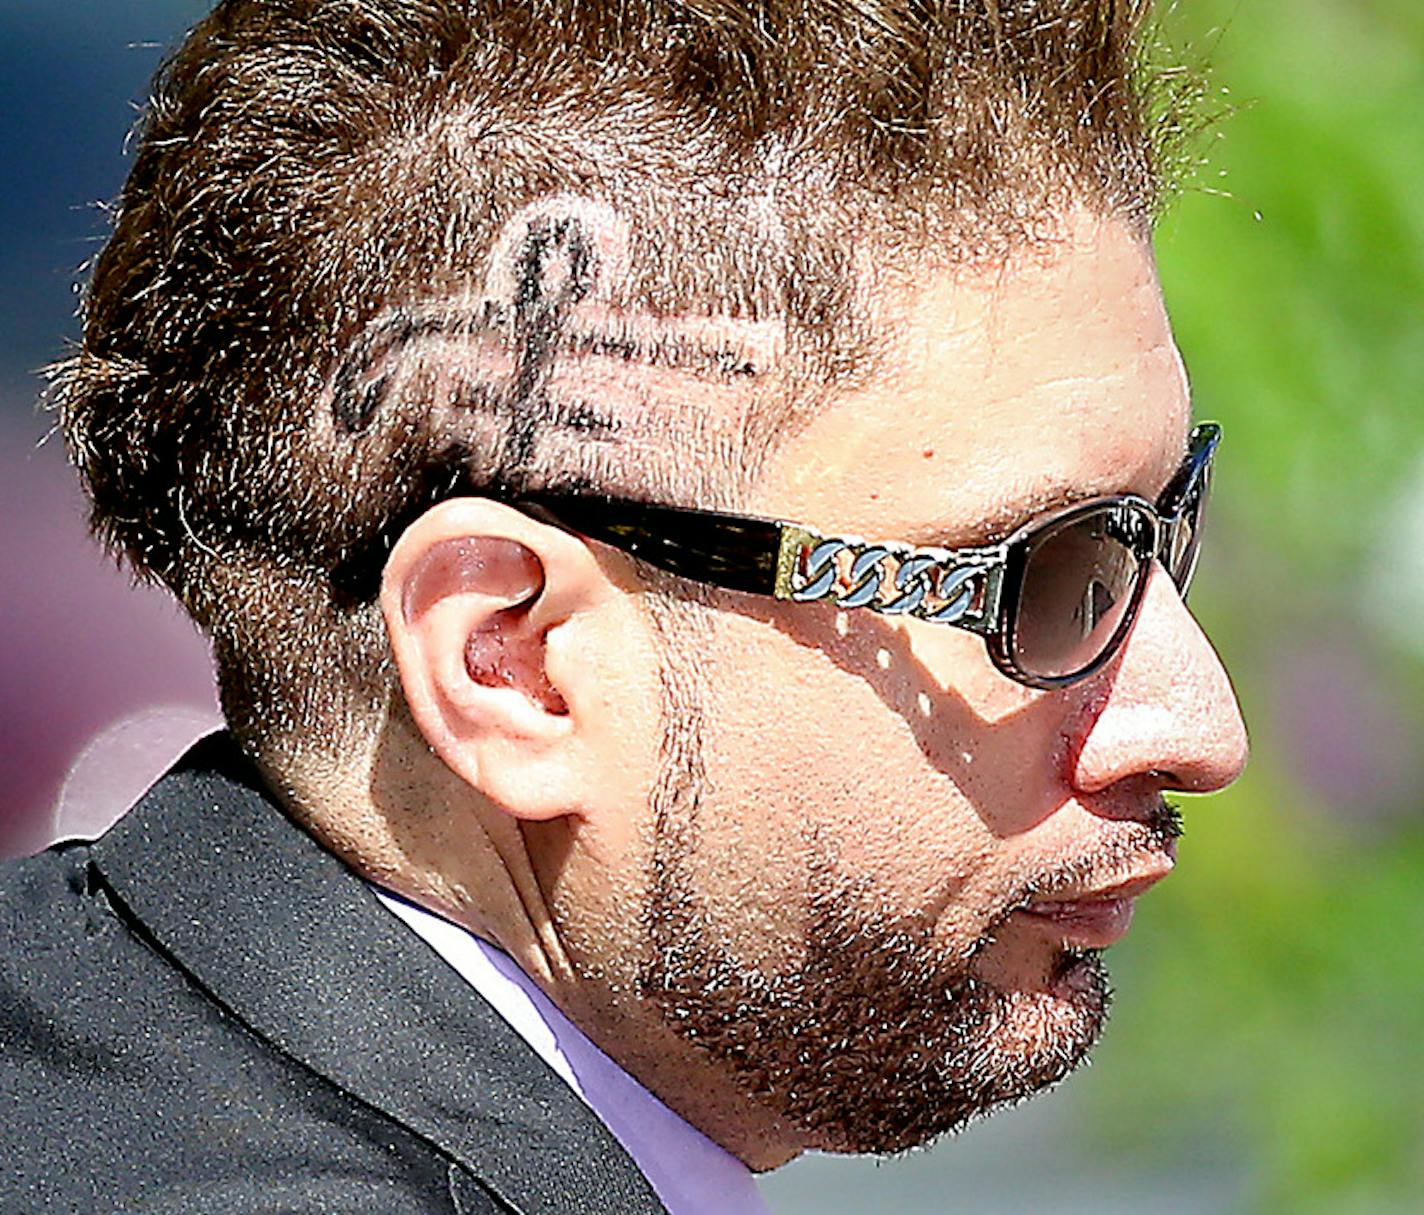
x=471 y=594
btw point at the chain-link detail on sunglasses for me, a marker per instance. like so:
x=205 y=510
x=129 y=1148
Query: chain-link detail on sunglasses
x=934 y=584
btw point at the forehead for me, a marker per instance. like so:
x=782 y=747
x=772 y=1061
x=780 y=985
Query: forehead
x=1007 y=390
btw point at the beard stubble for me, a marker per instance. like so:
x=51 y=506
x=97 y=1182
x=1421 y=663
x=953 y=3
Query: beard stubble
x=876 y=1041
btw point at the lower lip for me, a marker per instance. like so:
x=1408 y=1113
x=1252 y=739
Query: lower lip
x=1085 y=924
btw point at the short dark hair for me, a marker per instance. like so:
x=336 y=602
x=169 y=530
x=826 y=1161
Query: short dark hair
x=311 y=173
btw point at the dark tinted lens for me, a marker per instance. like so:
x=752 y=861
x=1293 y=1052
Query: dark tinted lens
x=1184 y=538
x=1079 y=579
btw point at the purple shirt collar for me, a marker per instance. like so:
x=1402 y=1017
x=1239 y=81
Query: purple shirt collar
x=690 y=1174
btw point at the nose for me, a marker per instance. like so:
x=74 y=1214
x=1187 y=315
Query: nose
x=1165 y=708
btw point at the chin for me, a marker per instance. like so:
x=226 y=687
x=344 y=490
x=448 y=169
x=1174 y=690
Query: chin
x=878 y=1041
x=997 y=1049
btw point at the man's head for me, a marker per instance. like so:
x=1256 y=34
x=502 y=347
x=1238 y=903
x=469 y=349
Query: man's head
x=382 y=268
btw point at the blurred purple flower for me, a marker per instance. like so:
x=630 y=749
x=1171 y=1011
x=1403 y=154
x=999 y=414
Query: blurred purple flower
x=1348 y=732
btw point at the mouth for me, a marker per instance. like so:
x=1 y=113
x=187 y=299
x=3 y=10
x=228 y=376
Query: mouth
x=1093 y=918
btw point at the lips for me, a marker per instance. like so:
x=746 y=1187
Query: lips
x=1091 y=919
x=1086 y=923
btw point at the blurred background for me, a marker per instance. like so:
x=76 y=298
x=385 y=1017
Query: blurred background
x=1267 y=1052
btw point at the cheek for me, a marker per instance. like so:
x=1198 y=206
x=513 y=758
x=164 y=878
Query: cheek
x=849 y=754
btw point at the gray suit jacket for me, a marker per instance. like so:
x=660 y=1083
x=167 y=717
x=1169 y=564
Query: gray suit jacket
x=206 y=1011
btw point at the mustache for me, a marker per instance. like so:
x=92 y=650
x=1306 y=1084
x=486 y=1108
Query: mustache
x=1164 y=823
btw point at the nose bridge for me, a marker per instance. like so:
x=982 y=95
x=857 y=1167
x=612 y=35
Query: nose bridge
x=1166 y=706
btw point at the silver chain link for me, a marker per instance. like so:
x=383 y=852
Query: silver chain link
x=944 y=586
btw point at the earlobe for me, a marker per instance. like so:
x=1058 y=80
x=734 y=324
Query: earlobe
x=470 y=594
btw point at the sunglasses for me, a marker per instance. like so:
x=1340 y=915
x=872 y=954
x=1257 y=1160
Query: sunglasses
x=1054 y=601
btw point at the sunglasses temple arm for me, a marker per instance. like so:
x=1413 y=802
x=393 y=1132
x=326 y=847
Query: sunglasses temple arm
x=734 y=552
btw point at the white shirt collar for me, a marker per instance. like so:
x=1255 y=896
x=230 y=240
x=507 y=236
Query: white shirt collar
x=690 y=1174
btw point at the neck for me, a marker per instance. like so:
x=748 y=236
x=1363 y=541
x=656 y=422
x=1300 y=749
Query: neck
x=401 y=819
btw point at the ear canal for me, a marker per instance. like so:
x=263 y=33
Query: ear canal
x=502 y=654
x=501 y=651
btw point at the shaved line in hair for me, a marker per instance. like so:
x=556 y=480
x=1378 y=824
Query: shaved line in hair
x=709 y=349
x=547 y=358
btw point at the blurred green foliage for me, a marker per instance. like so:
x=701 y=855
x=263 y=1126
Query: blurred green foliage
x=1273 y=1012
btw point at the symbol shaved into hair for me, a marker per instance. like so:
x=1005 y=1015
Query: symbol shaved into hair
x=594 y=239
x=553 y=369
x=546 y=261
x=556 y=270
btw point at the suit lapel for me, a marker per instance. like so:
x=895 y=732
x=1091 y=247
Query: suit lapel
x=289 y=941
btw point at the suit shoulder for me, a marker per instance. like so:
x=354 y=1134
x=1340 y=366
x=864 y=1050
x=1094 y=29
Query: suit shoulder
x=52 y=917
x=43 y=898
x=107 y=1043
